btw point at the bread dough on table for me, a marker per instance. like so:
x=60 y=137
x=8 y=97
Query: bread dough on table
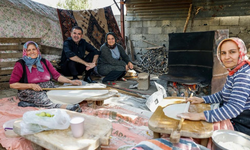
x=173 y=110
x=73 y=96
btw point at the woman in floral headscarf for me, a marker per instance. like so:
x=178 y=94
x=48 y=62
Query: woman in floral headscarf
x=32 y=73
x=234 y=98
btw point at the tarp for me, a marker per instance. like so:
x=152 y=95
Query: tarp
x=128 y=115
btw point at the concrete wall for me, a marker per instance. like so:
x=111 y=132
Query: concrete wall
x=157 y=31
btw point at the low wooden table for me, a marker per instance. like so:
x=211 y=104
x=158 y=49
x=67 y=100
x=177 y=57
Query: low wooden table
x=160 y=123
x=97 y=132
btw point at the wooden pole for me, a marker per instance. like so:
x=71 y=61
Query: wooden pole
x=189 y=14
x=48 y=89
x=122 y=21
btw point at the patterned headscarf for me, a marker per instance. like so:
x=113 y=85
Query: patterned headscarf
x=29 y=62
x=106 y=36
x=243 y=59
x=25 y=47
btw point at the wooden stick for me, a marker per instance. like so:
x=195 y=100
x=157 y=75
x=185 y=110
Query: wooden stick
x=176 y=135
x=48 y=89
x=126 y=92
x=150 y=43
x=189 y=13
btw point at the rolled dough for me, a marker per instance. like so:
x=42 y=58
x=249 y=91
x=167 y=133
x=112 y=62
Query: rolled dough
x=73 y=96
x=173 y=110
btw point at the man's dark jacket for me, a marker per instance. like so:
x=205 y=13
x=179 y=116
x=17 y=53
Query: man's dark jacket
x=71 y=49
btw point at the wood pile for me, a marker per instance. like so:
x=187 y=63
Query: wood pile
x=154 y=61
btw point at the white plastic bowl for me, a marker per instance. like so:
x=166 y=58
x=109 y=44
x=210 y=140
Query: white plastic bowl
x=235 y=137
x=8 y=128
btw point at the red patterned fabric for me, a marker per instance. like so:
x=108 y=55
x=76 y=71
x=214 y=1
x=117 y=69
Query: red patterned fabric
x=95 y=24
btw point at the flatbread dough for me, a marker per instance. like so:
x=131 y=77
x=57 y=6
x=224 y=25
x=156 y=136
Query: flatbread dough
x=173 y=110
x=73 y=96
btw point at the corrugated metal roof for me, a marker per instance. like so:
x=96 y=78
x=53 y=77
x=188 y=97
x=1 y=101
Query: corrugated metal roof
x=164 y=9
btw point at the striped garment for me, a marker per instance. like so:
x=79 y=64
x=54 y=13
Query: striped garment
x=235 y=97
x=165 y=144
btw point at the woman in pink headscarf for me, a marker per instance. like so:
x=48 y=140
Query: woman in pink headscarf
x=234 y=98
x=32 y=73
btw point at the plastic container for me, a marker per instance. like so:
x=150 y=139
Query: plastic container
x=8 y=128
x=241 y=140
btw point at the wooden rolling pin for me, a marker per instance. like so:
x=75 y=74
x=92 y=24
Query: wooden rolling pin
x=110 y=88
x=176 y=135
x=49 y=89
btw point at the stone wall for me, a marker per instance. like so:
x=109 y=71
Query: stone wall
x=141 y=33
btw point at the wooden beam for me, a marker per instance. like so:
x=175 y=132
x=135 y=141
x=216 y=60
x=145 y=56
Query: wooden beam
x=132 y=2
x=159 y=9
x=50 y=50
x=4 y=78
x=156 y=14
x=7 y=64
x=6 y=72
x=10 y=47
x=122 y=20
x=19 y=40
x=156 y=5
x=10 y=55
x=4 y=85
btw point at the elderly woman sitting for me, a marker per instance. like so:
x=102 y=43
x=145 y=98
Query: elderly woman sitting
x=32 y=73
x=113 y=62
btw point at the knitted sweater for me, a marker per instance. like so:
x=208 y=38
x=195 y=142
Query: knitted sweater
x=106 y=61
x=235 y=97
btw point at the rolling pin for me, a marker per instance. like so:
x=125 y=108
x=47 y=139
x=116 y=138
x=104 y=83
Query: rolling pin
x=48 y=89
x=175 y=135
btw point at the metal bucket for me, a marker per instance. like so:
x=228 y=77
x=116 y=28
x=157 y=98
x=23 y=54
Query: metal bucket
x=235 y=137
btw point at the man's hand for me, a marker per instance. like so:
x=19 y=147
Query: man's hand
x=90 y=66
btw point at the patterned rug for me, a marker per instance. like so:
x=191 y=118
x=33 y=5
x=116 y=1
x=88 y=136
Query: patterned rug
x=95 y=24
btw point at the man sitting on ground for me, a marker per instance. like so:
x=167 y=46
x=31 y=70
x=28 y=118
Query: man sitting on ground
x=73 y=62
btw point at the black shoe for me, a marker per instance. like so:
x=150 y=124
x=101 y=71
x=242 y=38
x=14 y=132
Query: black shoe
x=89 y=80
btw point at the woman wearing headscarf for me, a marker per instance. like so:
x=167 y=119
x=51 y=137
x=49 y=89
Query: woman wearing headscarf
x=234 y=98
x=113 y=62
x=32 y=73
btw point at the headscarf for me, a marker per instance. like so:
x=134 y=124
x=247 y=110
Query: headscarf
x=106 y=36
x=29 y=62
x=243 y=59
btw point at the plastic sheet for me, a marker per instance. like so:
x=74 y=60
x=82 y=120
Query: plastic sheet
x=33 y=123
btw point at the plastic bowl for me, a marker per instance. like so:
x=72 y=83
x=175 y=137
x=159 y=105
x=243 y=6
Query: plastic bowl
x=8 y=128
x=233 y=137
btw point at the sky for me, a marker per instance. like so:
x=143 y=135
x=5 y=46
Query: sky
x=94 y=3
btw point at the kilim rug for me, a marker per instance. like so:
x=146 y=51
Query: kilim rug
x=95 y=24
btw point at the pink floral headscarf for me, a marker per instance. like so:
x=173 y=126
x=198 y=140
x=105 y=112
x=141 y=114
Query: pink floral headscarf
x=29 y=62
x=25 y=47
x=243 y=59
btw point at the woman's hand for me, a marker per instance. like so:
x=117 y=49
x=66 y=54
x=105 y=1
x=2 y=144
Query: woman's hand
x=126 y=67
x=195 y=100
x=76 y=82
x=35 y=87
x=130 y=65
x=192 y=116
